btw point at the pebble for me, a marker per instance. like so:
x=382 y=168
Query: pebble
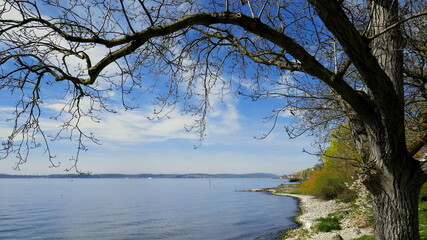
x=313 y=208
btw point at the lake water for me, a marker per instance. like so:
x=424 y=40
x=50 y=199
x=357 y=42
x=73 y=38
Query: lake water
x=142 y=209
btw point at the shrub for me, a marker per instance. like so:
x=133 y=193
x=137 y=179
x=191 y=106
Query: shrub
x=365 y=237
x=327 y=184
x=337 y=169
x=329 y=223
x=347 y=195
x=422 y=207
x=307 y=186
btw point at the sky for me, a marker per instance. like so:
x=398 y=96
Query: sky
x=130 y=143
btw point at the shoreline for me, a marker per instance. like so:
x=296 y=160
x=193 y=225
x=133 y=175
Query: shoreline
x=311 y=208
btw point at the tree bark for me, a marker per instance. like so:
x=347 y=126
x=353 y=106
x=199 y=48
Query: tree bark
x=396 y=211
x=392 y=176
x=396 y=188
x=394 y=179
x=388 y=47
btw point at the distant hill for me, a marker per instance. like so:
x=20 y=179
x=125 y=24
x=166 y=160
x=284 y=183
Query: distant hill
x=113 y=175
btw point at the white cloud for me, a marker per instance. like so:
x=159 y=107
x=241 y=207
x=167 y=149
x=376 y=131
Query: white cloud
x=134 y=127
x=123 y=127
x=291 y=113
x=224 y=118
x=6 y=109
x=74 y=65
x=9 y=12
x=5 y=127
x=131 y=127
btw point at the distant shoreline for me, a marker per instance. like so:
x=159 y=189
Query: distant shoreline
x=114 y=175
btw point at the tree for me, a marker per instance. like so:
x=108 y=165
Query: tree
x=338 y=169
x=339 y=166
x=355 y=59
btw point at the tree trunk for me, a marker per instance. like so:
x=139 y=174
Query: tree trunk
x=387 y=48
x=392 y=176
x=396 y=212
x=394 y=182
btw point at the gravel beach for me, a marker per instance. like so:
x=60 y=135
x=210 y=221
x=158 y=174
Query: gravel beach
x=312 y=208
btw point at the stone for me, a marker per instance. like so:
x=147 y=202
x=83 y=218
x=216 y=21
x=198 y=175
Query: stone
x=357 y=231
x=337 y=237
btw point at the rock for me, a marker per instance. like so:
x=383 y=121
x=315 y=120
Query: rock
x=357 y=231
x=337 y=237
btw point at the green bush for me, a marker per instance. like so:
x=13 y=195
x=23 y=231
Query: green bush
x=328 y=180
x=329 y=223
x=347 y=195
x=329 y=185
x=422 y=208
x=365 y=237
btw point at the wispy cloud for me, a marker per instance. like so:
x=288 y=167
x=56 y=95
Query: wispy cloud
x=5 y=127
x=224 y=118
x=134 y=127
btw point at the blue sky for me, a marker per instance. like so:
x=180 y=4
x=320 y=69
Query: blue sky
x=130 y=143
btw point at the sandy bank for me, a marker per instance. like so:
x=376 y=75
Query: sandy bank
x=312 y=208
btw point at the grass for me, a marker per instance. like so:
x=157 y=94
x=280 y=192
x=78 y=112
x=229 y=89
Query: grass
x=332 y=221
x=329 y=223
x=287 y=188
x=289 y=191
x=422 y=211
x=365 y=237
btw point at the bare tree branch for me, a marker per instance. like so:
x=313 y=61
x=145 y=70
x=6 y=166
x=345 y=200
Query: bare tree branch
x=397 y=25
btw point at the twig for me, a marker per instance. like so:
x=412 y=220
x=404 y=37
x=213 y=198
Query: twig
x=397 y=24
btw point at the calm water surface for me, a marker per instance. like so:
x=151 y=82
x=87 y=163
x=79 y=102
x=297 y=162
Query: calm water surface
x=142 y=209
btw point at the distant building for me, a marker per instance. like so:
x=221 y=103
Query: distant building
x=293 y=176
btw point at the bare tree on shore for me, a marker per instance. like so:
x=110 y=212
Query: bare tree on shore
x=358 y=61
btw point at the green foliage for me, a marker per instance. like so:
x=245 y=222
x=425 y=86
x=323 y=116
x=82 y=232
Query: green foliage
x=308 y=185
x=288 y=190
x=346 y=195
x=422 y=211
x=329 y=223
x=328 y=185
x=338 y=168
x=365 y=237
